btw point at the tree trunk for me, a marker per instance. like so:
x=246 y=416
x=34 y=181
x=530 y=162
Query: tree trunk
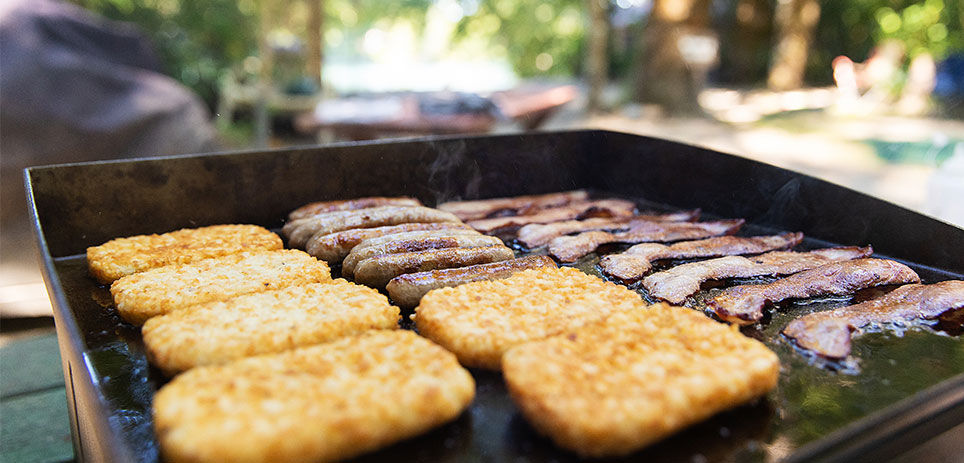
x=597 y=61
x=795 y=22
x=315 y=40
x=665 y=76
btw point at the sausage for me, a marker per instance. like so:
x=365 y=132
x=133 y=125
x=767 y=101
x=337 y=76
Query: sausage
x=300 y=230
x=379 y=270
x=333 y=247
x=321 y=207
x=362 y=252
x=407 y=290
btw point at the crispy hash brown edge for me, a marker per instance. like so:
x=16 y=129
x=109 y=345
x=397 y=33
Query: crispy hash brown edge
x=321 y=403
x=126 y=256
x=262 y=323
x=141 y=296
x=479 y=321
x=613 y=387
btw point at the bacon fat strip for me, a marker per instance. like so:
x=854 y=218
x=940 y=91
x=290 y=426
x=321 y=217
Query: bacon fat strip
x=321 y=207
x=299 y=231
x=744 y=304
x=637 y=260
x=575 y=210
x=486 y=208
x=379 y=270
x=571 y=248
x=675 y=284
x=416 y=244
x=535 y=234
x=333 y=247
x=407 y=290
x=828 y=333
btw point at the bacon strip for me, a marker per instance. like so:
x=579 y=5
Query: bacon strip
x=575 y=210
x=571 y=248
x=321 y=207
x=828 y=333
x=535 y=235
x=518 y=205
x=675 y=284
x=637 y=260
x=744 y=304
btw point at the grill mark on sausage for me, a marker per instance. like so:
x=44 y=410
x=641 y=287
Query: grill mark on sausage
x=333 y=247
x=415 y=244
x=407 y=290
x=744 y=304
x=379 y=270
x=828 y=333
x=637 y=260
x=571 y=248
x=301 y=230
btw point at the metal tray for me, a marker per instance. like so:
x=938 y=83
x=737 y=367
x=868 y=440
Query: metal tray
x=910 y=385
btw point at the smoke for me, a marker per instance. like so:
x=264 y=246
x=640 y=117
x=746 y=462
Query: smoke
x=453 y=175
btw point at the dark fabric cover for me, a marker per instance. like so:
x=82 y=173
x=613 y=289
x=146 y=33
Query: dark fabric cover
x=76 y=87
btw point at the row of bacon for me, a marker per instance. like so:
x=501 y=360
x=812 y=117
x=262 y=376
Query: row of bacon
x=571 y=226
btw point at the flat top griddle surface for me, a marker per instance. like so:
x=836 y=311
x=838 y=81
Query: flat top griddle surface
x=812 y=400
x=815 y=412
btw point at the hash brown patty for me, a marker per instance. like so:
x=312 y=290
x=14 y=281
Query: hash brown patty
x=265 y=322
x=321 y=403
x=126 y=256
x=479 y=321
x=141 y=296
x=613 y=387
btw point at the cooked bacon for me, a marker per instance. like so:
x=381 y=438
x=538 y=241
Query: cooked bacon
x=535 y=235
x=637 y=260
x=675 y=284
x=744 y=304
x=828 y=333
x=518 y=205
x=311 y=209
x=574 y=210
x=571 y=248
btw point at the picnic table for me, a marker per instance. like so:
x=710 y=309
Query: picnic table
x=366 y=117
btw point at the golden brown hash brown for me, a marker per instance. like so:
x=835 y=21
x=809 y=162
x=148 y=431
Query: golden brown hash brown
x=265 y=322
x=321 y=403
x=479 y=321
x=126 y=256
x=613 y=387
x=158 y=291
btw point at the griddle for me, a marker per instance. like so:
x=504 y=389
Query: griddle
x=907 y=386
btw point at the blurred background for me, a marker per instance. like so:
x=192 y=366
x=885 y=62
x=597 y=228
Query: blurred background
x=863 y=93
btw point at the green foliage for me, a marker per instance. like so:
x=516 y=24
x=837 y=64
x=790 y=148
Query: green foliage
x=197 y=41
x=539 y=38
x=854 y=27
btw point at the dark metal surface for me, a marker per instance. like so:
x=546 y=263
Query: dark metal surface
x=110 y=384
